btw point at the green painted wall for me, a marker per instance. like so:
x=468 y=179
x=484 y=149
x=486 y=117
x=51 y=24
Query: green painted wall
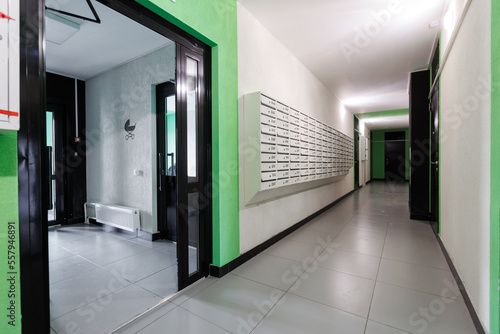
x=384 y=113
x=8 y=234
x=495 y=172
x=214 y=23
x=378 y=153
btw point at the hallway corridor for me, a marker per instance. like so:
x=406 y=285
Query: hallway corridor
x=361 y=267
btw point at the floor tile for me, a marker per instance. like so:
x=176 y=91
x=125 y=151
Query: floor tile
x=72 y=293
x=309 y=236
x=57 y=252
x=181 y=321
x=351 y=263
x=421 y=278
x=162 y=283
x=375 y=328
x=107 y=313
x=359 y=245
x=144 y=264
x=418 y=312
x=343 y=291
x=297 y=315
x=271 y=270
x=331 y=227
x=192 y=290
x=68 y=267
x=114 y=252
x=415 y=253
x=90 y=243
x=232 y=300
x=363 y=233
x=297 y=251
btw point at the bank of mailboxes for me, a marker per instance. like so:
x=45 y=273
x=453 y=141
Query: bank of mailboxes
x=294 y=148
x=9 y=65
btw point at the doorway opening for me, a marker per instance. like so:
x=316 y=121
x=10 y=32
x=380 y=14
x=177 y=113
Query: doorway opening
x=395 y=156
x=105 y=126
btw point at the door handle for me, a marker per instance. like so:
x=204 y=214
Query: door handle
x=436 y=163
x=161 y=172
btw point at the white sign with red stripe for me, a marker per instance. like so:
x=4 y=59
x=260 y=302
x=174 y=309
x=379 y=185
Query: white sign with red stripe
x=9 y=65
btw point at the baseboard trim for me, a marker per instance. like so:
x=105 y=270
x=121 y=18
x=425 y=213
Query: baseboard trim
x=461 y=287
x=225 y=269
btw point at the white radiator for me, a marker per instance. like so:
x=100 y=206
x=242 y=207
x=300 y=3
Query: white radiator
x=118 y=216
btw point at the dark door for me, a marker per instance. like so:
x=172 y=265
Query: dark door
x=395 y=156
x=434 y=158
x=167 y=155
x=183 y=160
x=55 y=157
x=193 y=147
x=356 y=153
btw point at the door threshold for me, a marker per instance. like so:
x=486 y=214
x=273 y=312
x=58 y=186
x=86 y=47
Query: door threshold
x=155 y=307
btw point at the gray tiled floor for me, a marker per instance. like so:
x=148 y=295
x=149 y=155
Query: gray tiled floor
x=101 y=278
x=370 y=270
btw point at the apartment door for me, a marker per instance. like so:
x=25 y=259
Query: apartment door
x=55 y=157
x=395 y=156
x=434 y=158
x=184 y=206
x=356 y=153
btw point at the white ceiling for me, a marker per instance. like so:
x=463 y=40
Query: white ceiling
x=371 y=75
x=97 y=48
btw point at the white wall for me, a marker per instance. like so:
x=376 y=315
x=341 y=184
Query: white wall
x=125 y=93
x=465 y=155
x=266 y=65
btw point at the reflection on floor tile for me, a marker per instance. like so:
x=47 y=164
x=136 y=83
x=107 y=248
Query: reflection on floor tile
x=233 y=302
x=92 y=273
x=107 y=313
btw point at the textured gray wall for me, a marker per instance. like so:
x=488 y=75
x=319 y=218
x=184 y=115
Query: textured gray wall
x=126 y=92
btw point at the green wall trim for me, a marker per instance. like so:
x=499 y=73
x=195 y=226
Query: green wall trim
x=378 y=153
x=384 y=113
x=215 y=23
x=9 y=241
x=495 y=175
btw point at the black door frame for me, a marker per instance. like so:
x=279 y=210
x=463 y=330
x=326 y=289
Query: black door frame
x=33 y=204
x=200 y=184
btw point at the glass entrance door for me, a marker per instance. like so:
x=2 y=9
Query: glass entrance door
x=55 y=157
x=194 y=153
x=183 y=156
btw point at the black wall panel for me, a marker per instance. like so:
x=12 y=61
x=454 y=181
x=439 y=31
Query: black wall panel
x=419 y=145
